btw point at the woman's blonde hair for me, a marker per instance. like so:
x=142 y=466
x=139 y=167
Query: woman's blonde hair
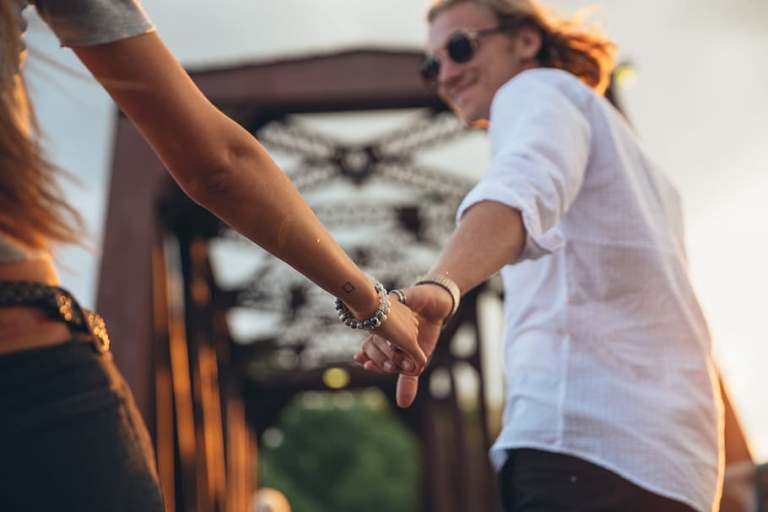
x=565 y=44
x=32 y=206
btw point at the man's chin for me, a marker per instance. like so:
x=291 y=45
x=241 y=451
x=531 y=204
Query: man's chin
x=465 y=116
x=469 y=116
x=481 y=123
x=472 y=119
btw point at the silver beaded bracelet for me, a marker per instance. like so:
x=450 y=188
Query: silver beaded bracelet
x=375 y=320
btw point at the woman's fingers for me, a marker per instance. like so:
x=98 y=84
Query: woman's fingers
x=379 y=352
x=372 y=367
x=401 y=329
x=386 y=358
x=403 y=361
x=368 y=365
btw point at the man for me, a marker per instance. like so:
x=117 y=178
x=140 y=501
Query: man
x=612 y=400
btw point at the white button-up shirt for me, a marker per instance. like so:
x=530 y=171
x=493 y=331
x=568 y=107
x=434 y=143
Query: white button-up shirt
x=607 y=352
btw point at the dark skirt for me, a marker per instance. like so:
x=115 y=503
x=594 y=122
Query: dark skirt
x=71 y=437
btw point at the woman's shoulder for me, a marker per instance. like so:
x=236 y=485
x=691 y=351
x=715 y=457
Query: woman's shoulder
x=91 y=22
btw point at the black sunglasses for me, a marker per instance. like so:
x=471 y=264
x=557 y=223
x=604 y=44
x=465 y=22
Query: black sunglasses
x=460 y=48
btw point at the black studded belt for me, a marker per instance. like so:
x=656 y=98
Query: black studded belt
x=58 y=304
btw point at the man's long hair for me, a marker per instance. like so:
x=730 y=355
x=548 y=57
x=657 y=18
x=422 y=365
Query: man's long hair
x=566 y=44
x=32 y=206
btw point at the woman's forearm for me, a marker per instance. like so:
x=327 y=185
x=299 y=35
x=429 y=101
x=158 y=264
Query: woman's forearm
x=220 y=165
x=254 y=196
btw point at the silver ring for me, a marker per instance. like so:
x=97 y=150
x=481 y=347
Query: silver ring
x=400 y=294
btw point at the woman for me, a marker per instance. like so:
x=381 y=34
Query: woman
x=70 y=435
x=612 y=399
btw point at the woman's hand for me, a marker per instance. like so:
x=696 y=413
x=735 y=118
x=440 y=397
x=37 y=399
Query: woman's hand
x=401 y=329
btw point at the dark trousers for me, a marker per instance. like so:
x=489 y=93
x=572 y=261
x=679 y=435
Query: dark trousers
x=540 y=481
x=71 y=437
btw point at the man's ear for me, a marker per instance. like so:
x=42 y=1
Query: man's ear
x=528 y=42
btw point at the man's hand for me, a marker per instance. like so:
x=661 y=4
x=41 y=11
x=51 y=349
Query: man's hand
x=432 y=304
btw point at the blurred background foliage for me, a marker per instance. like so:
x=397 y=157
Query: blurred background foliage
x=342 y=452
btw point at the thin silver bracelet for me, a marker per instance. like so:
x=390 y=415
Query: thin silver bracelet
x=375 y=320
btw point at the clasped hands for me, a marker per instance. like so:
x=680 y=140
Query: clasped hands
x=397 y=348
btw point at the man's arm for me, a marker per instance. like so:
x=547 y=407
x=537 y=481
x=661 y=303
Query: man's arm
x=540 y=147
x=489 y=236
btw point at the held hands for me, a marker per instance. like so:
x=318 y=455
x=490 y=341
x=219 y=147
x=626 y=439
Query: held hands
x=401 y=328
x=390 y=319
x=432 y=305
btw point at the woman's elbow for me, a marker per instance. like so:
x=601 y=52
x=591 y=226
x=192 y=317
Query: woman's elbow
x=218 y=176
x=206 y=181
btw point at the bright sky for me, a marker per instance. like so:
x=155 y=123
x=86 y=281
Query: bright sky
x=699 y=103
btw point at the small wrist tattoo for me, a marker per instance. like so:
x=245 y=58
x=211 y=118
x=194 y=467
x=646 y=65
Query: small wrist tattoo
x=348 y=287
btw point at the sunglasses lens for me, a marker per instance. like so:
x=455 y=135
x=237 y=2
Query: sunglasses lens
x=430 y=68
x=460 y=48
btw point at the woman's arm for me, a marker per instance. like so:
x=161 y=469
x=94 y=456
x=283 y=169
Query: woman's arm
x=222 y=167
x=218 y=163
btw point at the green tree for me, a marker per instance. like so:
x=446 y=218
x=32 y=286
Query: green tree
x=342 y=452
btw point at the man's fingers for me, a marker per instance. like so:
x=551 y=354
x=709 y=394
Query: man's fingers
x=407 y=387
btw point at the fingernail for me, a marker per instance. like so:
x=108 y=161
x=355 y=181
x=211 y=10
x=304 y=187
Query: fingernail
x=388 y=366
x=407 y=366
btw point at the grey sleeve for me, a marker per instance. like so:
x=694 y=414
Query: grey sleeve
x=92 y=22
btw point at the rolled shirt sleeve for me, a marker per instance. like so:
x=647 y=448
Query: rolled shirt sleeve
x=540 y=142
x=92 y=22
